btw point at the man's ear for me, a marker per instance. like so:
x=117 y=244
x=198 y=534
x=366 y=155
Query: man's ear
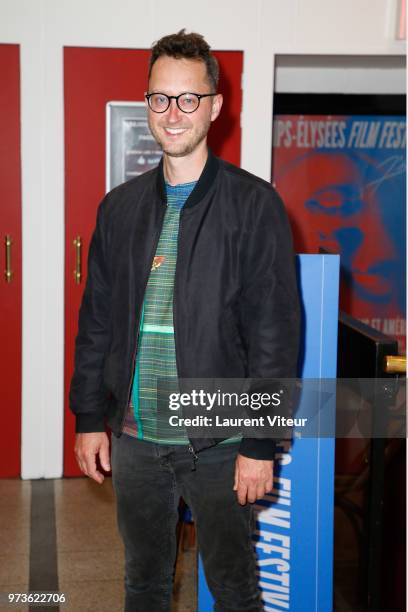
x=216 y=106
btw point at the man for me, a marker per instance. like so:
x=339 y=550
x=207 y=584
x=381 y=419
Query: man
x=202 y=243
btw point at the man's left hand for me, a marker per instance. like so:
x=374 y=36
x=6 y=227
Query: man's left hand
x=253 y=478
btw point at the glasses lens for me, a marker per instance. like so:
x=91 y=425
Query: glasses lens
x=188 y=102
x=158 y=102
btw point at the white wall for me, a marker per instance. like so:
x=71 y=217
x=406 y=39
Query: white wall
x=263 y=29
x=340 y=74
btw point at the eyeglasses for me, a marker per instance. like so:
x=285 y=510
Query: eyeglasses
x=186 y=102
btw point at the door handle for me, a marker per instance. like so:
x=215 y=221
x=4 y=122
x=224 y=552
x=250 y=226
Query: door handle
x=8 y=272
x=395 y=364
x=78 y=260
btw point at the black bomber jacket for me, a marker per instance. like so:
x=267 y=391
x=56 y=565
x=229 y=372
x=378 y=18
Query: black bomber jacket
x=236 y=305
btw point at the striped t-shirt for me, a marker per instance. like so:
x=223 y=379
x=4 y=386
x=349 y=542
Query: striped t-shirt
x=146 y=418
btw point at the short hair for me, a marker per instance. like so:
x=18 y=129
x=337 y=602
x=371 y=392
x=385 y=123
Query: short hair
x=188 y=46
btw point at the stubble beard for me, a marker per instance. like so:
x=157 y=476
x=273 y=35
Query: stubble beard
x=185 y=148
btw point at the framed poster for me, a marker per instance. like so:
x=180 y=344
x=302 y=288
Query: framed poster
x=131 y=149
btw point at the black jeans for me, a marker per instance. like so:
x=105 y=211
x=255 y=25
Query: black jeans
x=148 y=480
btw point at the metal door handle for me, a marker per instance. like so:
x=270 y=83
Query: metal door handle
x=78 y=257
x=395 y=364
x=8 y=272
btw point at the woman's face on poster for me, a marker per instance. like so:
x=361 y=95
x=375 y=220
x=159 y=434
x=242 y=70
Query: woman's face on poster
x=337 y=208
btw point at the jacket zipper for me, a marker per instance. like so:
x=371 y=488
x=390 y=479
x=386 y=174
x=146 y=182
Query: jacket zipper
x=194 y=456
x=156 y=242
x=192 y=451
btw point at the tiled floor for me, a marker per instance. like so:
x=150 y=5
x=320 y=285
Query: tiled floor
x=89 y=549
x=15 y=496
x=90 y=553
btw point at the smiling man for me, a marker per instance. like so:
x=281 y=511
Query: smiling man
x=190 y=275
x=181 y=127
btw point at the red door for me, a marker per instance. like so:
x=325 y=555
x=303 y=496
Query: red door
x=10 y=283
x=93 y=77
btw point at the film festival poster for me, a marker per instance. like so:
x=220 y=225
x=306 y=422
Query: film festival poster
x=343 y=181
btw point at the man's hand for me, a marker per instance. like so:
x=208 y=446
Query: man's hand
x=87 y=446
x=253 y=478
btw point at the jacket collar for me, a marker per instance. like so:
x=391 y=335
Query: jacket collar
x=203 y=185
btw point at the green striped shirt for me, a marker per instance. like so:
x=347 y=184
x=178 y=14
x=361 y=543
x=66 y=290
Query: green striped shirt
x=147 y=417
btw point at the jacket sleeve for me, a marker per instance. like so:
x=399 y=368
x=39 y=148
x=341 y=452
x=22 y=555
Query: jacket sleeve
x=270 y=312
x=88 y=397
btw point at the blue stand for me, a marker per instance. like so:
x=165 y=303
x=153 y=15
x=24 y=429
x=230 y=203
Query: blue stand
x=294 y=535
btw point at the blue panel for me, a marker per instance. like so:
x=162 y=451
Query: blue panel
x=205 y=599
x=297 y=518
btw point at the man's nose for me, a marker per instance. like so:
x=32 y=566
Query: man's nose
x=174 y=113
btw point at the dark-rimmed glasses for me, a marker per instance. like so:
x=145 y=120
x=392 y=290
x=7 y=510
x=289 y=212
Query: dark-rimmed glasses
x=187 y=102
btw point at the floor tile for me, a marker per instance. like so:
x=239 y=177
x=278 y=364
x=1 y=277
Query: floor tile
x=93 y=596
x=14 y=588
x=15 y=496
x=15 y=492
x=14 y=569
x=90 y=566
x=85 y=517
x=14 y=534
x=74 y=491
x=88 y=536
